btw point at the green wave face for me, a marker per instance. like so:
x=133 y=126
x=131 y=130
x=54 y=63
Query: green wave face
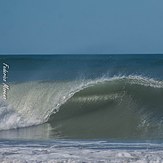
x=120 y=108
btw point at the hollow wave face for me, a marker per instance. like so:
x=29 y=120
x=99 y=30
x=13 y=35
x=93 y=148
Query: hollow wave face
x=129 y=107
x=118 y=107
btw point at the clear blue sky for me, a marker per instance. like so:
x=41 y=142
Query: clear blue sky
x=81 y=26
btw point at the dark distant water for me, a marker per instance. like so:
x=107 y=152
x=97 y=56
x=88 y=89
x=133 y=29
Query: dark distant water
x=83 y=97
x=72 y=67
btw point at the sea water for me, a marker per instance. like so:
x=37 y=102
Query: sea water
x=81 y=108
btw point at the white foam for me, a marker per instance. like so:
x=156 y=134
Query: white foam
x=45 y=153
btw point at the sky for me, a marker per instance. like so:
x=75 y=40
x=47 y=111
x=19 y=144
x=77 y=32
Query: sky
x=81 y=26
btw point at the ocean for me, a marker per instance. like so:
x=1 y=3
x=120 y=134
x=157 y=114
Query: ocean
x=81 y=108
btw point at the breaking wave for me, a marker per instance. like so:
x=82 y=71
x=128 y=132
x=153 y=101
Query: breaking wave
x=121 y=106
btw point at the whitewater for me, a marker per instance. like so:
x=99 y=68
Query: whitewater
x=80 y=151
